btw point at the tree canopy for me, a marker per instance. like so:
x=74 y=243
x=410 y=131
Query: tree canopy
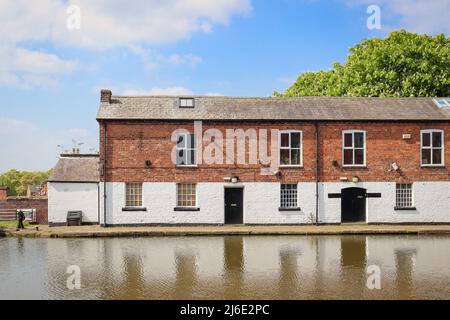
x=18 y=181
x=404 y=64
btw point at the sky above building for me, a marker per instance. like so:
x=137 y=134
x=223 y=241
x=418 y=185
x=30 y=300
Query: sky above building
x=56 y=55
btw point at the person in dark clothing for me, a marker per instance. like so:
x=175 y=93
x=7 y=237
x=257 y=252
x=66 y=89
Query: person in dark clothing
x=20 y=218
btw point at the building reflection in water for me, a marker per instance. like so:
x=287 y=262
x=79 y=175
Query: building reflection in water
x=234 y=268
x=404 y=261
x=353 y=264
x=185 y=274
x=288 y=283
x=245 y=267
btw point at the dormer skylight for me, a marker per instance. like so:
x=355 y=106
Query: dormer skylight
x=186 y=103
x=442 y=102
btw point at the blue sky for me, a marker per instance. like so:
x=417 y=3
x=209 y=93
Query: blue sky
x=51 y=75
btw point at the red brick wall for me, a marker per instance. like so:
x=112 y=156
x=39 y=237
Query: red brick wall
x=3 y=194
x=41 y=206
x=130 y=144
x=384 y=145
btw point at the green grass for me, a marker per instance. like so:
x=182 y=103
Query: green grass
x=12 y=224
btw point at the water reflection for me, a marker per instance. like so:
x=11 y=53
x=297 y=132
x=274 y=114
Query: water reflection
x=284 y=267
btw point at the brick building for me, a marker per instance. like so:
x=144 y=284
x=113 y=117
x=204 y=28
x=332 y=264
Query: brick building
x=216 y=160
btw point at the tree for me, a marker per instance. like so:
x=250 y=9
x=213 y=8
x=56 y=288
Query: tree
x=18 y=181
x=404 y=64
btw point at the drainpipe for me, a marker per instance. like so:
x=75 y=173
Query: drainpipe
x=316 y=126
x=104 y=173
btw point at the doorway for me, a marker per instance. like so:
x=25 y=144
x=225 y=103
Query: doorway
x=353 y=205
x=234 y=213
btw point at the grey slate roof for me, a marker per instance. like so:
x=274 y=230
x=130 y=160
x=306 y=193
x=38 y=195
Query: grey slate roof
x=76 y=169
x=245 y=108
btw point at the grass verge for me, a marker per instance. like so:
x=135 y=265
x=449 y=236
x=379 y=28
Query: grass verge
x=12 y=224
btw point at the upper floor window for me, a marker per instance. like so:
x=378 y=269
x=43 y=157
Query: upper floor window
x=133 y=194
x=186 y=102
x=354 y=148
x=432 y=147
x=290 y=143
x=186 y=149
x=288 y=196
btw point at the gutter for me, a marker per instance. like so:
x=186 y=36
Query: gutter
x=316 y=126
x=104 y=173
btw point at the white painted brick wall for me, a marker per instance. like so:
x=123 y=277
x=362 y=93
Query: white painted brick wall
x=262 y=200
x=63 y=197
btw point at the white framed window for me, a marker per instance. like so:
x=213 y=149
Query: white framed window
x=288 y=196
x=431 y=147
x=186 y=149
x=354 y=148
x=290 y=145
x=186 y=195
x=403 y=195
x=133 y=194
x=186 y=103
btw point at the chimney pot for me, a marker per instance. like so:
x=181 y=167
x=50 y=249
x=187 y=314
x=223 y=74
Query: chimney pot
x=105 y=95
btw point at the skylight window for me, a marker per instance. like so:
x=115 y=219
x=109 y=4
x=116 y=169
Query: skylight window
x=186 y=102
x=442 y=102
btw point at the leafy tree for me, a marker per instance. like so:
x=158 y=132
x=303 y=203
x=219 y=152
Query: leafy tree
x=404 y=64
x=18 y=181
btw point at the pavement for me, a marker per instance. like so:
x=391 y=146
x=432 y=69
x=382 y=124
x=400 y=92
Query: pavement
x=44 y=231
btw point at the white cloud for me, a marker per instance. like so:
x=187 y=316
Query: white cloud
x=35 y=147
x=29 y=69
x=170 y=91
x=112 y=23
x=9 y=79
x=104 y=24
x=423 y=16
x=151 y=59
x=213 y=94
x=19 y=59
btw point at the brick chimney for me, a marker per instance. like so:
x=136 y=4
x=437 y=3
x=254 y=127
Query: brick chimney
x=105 y=95
x=3 y=193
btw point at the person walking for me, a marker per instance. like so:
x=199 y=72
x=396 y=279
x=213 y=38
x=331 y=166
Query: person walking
x=20 y=218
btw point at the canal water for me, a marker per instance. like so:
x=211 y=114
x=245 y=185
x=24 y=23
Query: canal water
x=234 y=267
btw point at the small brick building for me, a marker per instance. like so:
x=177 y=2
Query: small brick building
x=219 y=160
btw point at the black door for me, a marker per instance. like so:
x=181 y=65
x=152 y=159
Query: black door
x=353 y=205
x=233 y=206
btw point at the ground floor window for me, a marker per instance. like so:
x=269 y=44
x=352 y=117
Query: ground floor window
x=288 y=196
x=404 y=195
x=133 y=194
x=186 y=195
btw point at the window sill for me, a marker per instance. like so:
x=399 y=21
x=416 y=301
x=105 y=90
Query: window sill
x=186 y=209
x=143 y=209
x=288 y=166
x=289 y=209
x=348 y=166
x=193 y=166
x=432 y=166
x=405 y=208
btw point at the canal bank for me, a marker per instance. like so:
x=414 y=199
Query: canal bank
x=44 y=231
